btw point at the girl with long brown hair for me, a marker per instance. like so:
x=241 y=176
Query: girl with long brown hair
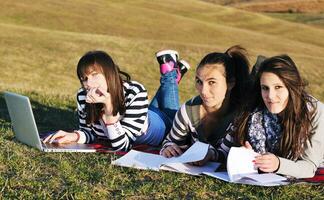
x=281 y=122
x=221 y=82
x=114 y=108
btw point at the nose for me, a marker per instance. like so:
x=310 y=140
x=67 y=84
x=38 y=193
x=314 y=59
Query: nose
x=203 y=89
x=271 y=94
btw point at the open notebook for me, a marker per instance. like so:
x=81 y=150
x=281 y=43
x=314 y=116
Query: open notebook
x=240 y=166
x=141 y=160
x=240 y=169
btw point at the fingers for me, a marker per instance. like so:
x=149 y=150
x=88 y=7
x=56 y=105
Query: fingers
x=97 y=95
x=90 y=98
x=171 y=151
x=177 y=149
x=58 y=137
x=102 y=92
x=247 y=145
x=267 y=162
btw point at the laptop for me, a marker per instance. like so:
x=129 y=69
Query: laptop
x=25 y=129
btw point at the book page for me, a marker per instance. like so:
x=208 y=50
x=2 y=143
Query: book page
x=246 y=180
x=191 y=169
x=196 y=152
x=240 y=162
x=266 y=177
x=140 y=160
x=219 y=175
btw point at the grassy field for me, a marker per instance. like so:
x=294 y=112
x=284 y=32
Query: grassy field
x=40 y=44
x=310 y=12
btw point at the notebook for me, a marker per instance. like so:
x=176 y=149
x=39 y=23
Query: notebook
x=25 y=129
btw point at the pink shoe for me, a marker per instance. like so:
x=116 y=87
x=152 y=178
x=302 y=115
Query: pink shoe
x=167 y=60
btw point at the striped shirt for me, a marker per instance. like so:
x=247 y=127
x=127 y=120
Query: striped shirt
x=124 y=132
x=225 y=145
x=187 y=127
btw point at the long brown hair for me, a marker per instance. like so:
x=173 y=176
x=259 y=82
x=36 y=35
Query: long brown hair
x=100 y=60
x=298 y=115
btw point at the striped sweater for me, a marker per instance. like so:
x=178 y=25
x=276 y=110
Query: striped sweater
x=123 y=133
x=187 y=127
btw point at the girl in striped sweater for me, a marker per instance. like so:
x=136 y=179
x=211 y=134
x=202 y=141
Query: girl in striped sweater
x=112 y=107
x=222 y=79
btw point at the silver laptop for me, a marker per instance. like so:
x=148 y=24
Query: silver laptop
x=25 y=129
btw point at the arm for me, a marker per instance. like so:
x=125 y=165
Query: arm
x=123 y=133
x=314 y=153
x=223 y=148
x=86 y=133
x=176 y=139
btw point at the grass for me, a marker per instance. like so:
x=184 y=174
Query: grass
x=40 y=44
x=314 y=19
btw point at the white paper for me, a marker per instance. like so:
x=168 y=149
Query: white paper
x=190 y=169
x=240 y=161
x=219 y=175
x=266 y=177
x=241 y=169
x=195 y=153
x=141 y=160
x=254 y=180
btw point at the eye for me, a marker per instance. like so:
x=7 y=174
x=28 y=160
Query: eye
x=278 y=87
x=83 y=79
x=211 y=82
x=265 y=88
x=198 y=82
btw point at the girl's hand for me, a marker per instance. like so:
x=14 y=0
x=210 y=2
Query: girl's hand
x=99 y=95
x=171 y=151
x=208 y=157
x=247 y=145
x=267 y=162
x=61 y=137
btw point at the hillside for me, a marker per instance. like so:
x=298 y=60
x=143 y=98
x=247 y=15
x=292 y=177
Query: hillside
x=49 y=37
x=41 y=42
x=300 y=6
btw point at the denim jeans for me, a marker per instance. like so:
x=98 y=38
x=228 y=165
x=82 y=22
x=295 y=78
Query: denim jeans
x=166 y=98
x=162 y=110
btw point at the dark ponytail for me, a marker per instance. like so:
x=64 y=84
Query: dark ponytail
x=238 y=71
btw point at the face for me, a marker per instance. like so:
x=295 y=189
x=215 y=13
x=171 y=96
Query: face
x=274 y=92
x=94 y=78
x=211 y=85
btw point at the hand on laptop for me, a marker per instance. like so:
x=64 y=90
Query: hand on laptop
x=61 y=137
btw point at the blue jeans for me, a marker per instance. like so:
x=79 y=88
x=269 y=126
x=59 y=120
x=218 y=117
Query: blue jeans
x=162 y=110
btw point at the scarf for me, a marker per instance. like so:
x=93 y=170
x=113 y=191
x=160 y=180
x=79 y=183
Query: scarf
x=264 y=131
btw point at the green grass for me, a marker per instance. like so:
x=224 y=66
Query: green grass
x=315 y=19
x=40 y=44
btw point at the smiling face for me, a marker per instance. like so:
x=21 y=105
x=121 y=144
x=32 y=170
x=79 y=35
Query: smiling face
x=211 y=85
x=94 y=78
x=274 y=92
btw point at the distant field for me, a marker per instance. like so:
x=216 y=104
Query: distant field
x=310 y=12
x=41 y=42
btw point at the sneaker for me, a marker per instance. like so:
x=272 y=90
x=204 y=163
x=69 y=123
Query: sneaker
x=184 y=67
x=167 y=60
